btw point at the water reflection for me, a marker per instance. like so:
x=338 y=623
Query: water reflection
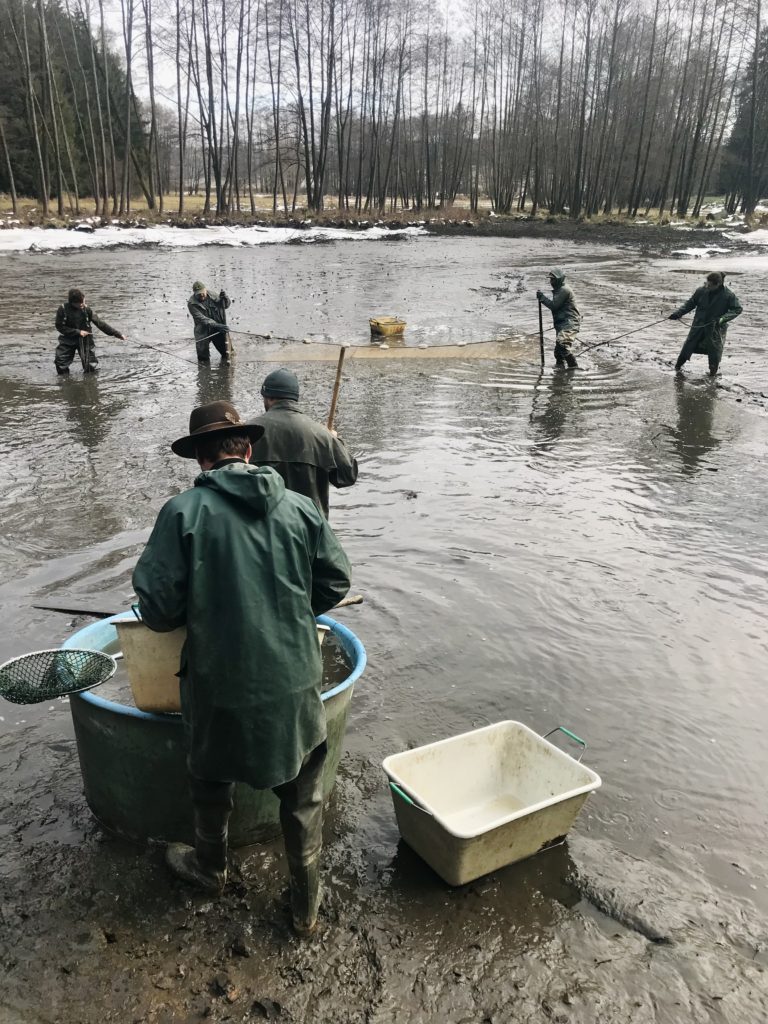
x=84 y=409
x=693 y=437
x=552 y=408
x=214 y=383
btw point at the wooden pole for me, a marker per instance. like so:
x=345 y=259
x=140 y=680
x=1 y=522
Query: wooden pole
x=541 y=333
x=336 y=386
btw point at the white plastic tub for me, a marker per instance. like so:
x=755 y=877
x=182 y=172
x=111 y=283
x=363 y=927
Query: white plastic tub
x=487 y=798
x=152 y=663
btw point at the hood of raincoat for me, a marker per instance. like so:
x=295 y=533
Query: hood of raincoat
x=258 y=488
x=559 y=276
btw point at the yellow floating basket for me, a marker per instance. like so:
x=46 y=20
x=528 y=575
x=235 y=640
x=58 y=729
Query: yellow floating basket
x=387 y=325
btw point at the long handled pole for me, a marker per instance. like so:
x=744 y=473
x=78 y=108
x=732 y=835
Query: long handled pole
x=336 y=386
x=541 y=333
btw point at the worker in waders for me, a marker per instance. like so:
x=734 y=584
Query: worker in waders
x=210 y=319
x=715 y=307
x=307 y=455
x=565 y=317
x=75 y=322
x=245 y=565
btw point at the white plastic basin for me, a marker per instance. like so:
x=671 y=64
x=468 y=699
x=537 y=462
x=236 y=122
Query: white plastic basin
x=487 y=798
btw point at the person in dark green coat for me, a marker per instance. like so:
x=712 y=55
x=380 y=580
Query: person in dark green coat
x=565 y=316
x=210 y=319
x=75 y=322
x=246 y=565
x=307 y=455
x=715 y=307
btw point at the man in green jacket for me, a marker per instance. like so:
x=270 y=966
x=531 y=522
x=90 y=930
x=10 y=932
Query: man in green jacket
x=75 y=322
x=246 y=565
x=306 y=454
x=565 y=316
x=715 y=307
x=210 y=319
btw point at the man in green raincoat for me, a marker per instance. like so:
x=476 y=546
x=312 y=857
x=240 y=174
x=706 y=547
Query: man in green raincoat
x=715 y=307
x=210 y=319
x=565 y=316
x=307 y=455
x=246 y=565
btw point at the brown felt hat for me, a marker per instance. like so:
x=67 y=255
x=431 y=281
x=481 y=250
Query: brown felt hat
x=216 y=420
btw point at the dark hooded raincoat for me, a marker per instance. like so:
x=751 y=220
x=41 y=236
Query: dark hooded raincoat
x=209 y=314
x=305 y=453
x=246 y=565
x=714 y=309
x=565 y=314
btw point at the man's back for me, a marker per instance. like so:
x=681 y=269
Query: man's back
x=306 y=455
x=246 y=565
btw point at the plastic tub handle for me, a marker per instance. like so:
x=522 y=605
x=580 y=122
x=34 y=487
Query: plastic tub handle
x=570 y=735
x=404 y=796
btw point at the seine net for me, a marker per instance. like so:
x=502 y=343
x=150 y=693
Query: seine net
x=43 y=675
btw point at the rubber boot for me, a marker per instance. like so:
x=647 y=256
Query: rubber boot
x=205 y=865
x=571 y=360
x=183 y=862
x=305 y=896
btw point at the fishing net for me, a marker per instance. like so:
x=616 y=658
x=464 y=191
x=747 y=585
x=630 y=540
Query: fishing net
x=43 y=675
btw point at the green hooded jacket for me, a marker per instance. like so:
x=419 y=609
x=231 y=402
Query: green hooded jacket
x=208 y=313
x=305 y=453
x=714 y=309
x=246 y=565
x=565 y=315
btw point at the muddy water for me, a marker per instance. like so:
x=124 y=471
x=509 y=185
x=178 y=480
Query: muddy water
x=581 y=549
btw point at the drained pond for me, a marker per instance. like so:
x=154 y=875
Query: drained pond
x=583 y=548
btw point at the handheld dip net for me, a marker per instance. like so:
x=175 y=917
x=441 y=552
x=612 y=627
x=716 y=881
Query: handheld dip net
x=43 y=675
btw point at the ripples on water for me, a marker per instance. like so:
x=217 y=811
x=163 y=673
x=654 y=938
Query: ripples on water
x=582 y=548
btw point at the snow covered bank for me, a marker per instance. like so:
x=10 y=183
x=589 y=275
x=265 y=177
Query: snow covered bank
x=42 y=240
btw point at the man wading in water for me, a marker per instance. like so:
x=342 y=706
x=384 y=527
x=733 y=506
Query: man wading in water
x=246 y=565
x=74 y=322
x=565 y=317
x=306 y=454
x=715 y=306
x=210 y=322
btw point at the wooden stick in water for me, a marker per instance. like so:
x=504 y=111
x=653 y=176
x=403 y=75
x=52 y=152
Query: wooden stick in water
x=541 y=333
x=336 y=386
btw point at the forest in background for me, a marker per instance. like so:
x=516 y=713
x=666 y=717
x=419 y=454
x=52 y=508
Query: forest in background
x=576 y=107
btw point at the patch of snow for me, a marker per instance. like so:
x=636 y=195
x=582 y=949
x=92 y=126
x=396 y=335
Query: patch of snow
x=38 y=240
x=757 y=237
x=699 y=251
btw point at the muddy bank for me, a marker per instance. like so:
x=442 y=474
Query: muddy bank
x=95 y=930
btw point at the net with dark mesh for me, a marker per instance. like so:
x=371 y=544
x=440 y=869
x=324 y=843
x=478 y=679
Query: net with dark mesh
x=43 y=675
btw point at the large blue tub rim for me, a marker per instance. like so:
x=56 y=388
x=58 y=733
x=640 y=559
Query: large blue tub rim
x=101 y=635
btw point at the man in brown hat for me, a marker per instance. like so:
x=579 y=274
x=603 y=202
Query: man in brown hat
x=246 y=565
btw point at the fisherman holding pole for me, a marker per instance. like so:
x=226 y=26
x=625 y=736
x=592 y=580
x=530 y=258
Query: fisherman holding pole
x=565 y=316
x=715 y=307
x=307 y=455
x=210 y=319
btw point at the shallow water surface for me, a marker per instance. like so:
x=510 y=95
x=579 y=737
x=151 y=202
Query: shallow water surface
x=586 y=549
